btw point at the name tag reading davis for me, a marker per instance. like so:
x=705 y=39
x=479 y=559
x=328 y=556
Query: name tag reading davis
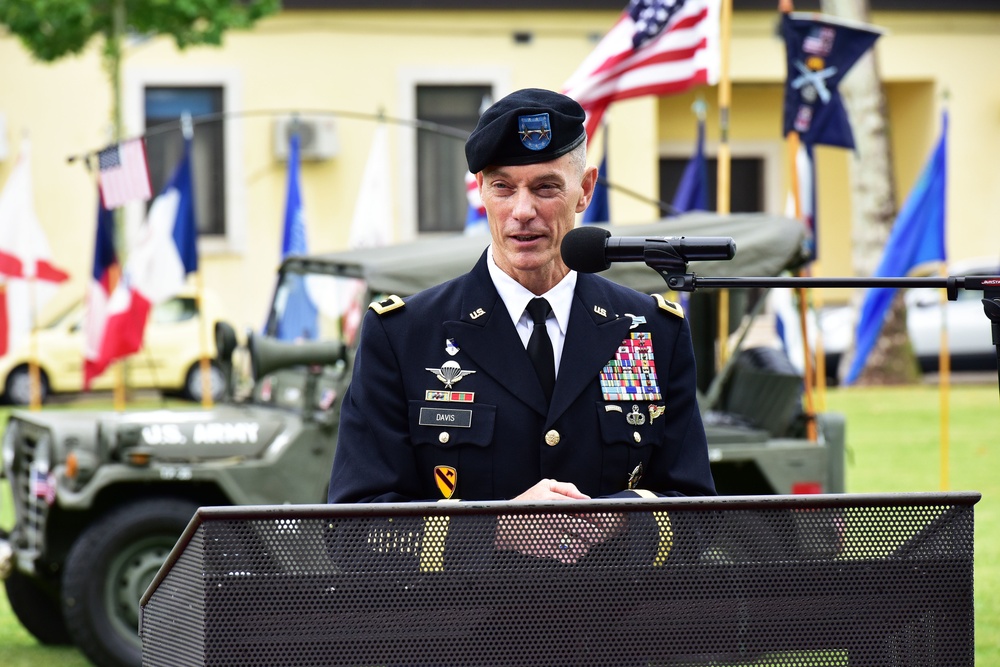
x=441 y=417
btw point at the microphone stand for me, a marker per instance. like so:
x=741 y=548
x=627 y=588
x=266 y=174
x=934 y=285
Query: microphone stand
x=672 y=266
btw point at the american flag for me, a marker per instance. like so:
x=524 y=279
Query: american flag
x=475 y=212
x=657 y=47
x=43 y=486
x=124 y=174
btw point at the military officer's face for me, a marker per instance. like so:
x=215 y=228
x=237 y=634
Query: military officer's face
x=530 y=209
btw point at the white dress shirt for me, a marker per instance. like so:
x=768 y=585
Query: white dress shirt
x=516 y=297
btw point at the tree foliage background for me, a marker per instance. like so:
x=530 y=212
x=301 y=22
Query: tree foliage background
x=51 y=29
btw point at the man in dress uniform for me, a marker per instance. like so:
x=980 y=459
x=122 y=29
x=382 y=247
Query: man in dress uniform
x=522 y=379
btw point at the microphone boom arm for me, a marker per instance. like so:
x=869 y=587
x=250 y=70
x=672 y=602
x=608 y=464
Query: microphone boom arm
x=673 y=269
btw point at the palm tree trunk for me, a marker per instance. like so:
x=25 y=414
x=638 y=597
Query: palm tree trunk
x=873 y=202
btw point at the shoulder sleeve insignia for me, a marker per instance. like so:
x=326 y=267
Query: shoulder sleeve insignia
x=386 y=305
x=669 y=306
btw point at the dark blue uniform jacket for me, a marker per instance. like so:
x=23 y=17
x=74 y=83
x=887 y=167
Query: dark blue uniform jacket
x=395 y=445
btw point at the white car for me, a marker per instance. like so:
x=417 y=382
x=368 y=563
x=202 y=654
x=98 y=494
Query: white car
x=970 y=340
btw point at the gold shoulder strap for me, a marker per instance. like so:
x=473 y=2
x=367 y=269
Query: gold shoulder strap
x=392 y=302
x=669 y=306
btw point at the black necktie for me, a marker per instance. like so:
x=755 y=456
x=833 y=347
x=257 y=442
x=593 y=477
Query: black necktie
x=540 y=347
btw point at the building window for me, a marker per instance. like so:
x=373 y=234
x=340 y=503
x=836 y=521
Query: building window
x=747 y=175
x=166 y=104
x=441 y=164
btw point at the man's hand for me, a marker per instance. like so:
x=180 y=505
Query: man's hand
x=550 y=489
x=564 y=537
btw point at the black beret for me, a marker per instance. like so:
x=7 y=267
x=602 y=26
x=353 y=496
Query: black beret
x=528 y=126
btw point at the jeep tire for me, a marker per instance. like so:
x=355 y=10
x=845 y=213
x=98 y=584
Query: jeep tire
x=108 y=569
x=37 y=609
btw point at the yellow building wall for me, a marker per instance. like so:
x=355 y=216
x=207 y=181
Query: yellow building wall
x=366 y=61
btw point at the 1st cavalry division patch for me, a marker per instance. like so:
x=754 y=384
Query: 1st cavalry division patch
x=446 y=479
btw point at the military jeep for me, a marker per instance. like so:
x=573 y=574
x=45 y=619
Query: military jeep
x=101 y=497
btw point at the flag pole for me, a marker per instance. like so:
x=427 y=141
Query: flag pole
x=944 y=384
x=204 y=362
x=723 y=167
x=34 y=376
x=808 y=379
x=785 y=7
x=944 y=354
x=118 y=392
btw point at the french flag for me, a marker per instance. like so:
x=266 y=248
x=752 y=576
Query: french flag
x=104 y=278
x=155 y=270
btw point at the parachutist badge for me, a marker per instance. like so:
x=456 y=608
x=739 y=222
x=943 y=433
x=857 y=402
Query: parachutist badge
x=449 y=373
x=635 y=418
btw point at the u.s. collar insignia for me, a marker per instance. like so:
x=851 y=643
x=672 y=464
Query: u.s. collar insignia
x=449 y=373
x=450 y=347
x=535 y=131
x=446 y=479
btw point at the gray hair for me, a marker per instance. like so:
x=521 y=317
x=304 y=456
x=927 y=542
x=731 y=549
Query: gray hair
x=578 y=157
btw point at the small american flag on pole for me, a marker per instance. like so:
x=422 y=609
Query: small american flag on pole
x=657 y=47
x=124 y=174
x=43 y=486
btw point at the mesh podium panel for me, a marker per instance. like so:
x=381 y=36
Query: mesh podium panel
x=764 y=581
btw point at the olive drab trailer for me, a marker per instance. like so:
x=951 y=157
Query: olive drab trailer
x=101 y=497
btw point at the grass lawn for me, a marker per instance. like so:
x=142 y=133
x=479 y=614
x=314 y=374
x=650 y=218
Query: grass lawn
x=893 y=439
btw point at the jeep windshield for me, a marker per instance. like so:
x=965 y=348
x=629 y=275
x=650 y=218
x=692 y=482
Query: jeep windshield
x=323 y=296
x=317 y=306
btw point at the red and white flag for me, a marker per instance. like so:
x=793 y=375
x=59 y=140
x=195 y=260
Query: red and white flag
x=657 y=47
x=124 y=173
x=28 y=276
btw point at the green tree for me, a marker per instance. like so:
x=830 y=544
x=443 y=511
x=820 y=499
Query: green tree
x=52 y=29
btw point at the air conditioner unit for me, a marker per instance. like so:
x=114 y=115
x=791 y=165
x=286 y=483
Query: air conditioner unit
x=317 y=136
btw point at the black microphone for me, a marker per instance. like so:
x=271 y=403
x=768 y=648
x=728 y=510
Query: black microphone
x=592 y=249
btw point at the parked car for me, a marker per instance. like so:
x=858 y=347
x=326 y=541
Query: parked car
x=169 y=359
x=970 y=342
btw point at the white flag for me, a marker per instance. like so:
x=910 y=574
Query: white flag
x=373 y=224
